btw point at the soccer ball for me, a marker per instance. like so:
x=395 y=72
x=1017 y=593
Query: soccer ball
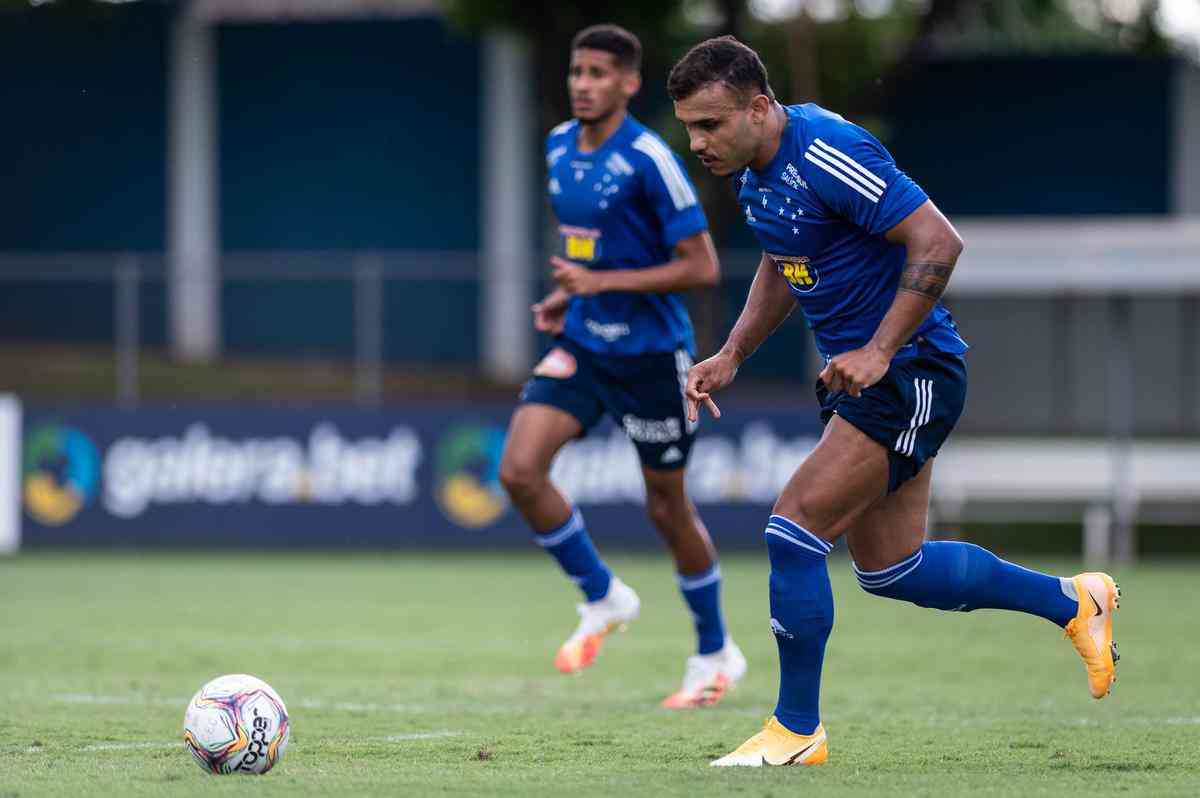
x=236 y=724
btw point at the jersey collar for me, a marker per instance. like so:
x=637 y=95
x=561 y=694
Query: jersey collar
x=607 y=144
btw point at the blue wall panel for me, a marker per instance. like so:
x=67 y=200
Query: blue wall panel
x=349 y=136
x=84 y=130
x=1029 y=136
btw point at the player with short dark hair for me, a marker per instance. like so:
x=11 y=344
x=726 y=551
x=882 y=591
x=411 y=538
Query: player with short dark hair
x=633 y=236
x=866 y=255
x=623 y=46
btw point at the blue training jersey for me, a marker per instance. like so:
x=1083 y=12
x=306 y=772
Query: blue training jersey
x=622 y=206
x=820 y=210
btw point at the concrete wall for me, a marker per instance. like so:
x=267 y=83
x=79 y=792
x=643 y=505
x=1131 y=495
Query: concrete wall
x=1040 y=366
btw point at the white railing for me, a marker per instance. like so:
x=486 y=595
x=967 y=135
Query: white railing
x=1104 y=483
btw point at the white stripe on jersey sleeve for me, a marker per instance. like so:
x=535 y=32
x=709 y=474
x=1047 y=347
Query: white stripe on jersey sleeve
x=562 y=127
x=853 y=164
x=672 y=176
x=858 y=184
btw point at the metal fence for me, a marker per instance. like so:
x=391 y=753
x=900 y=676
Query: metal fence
x=1079 y=353
x=345 y=295
x=372 y=308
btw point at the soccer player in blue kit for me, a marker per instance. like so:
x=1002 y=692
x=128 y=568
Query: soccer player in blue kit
x=633 y=235
x=866 y=255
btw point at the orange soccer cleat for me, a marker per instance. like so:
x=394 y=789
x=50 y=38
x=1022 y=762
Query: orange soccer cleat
x=597 y=618
x=778 y=745
x=708 y=677
x=1091 y=629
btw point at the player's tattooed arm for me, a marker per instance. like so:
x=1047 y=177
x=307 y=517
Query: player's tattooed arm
x=933 y=248
x=927 y=278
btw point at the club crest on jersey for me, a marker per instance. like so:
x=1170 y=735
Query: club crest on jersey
x=580 y=243
x=801 y=275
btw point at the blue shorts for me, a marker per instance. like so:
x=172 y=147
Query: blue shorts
x=643 y=394
x=910 y=412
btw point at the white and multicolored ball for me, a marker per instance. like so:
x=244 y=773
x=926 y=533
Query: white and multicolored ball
x=236 y=724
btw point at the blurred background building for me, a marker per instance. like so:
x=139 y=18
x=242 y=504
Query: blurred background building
x=265 y=204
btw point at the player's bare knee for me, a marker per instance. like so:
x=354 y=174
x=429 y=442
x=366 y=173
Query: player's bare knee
x=521 y=477
x=806 y=508
x=665 y=518
x=664 y=509
x=876 y=561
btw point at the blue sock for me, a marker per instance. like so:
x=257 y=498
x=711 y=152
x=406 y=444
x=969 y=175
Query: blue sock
x=571 y=546
x=801 y=618
x=702 y=592
x=949 y=575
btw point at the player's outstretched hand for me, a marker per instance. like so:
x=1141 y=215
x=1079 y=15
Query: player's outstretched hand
x=855 y=370
x=550 y=314
x=706 y=378
x=576 y=280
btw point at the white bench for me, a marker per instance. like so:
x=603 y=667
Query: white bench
x=1110 y=480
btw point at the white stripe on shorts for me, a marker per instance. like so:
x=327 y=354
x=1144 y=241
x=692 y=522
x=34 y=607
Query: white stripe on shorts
x=923 y=390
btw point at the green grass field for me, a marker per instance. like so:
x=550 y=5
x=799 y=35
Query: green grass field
x=411 y=674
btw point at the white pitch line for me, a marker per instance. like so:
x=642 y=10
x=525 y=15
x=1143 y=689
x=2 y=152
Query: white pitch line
x=391 y=738
x=38 y=749
x=89 y=698
x=352 y=706
x=344 y=706
x=131 y=746
x=349 y=706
